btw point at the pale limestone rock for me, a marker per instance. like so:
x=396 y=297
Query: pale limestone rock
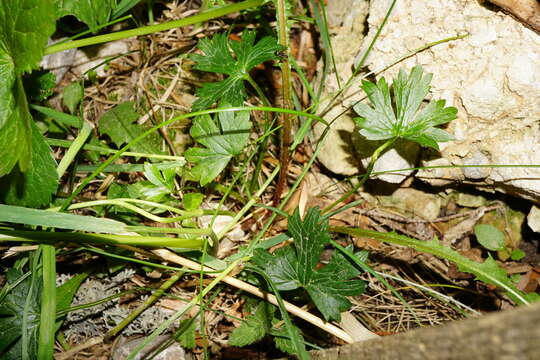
x=533 y=219
x=427 y=206
x=492 y=76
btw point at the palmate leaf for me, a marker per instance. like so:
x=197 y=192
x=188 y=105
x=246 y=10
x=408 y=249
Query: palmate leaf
x=222 y=141
x=218 y=58
x=294 y=266
x=399 y=116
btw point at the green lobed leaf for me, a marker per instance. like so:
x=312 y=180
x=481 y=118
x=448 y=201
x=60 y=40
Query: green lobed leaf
x=295 y=266
x=217 y=57
x=254 y=327
x=400 y=116
x=310 y=236
x=91 y=12
x=36 y=186
x=120 y=125
x=222 y=140
x=332 y=283
x=489 y=237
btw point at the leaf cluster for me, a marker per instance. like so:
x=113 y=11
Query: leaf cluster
x=295 y=266
x=234 y=59
x=401 y=115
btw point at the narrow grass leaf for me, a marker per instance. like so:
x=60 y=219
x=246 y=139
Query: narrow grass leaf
x=27 y=216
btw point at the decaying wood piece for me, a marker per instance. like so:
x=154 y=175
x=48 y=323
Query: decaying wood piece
x=512 y=334
x=526 y=11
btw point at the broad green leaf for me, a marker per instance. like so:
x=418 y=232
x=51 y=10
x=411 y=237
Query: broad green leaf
x=401 y=115
x=222 y=140
x=120 y=125
x=489 y=237
x=217 y=57
x=35 y=187
x=91 y=12
x=21 y=215
x=12 y=317
x=295 y=266
x=72 y=96
x=25 y=26
x=254 y=327
x=15 y=122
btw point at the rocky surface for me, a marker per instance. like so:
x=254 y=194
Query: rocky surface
x=492 y=77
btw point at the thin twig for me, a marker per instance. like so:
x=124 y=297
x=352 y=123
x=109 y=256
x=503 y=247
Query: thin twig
x=295 y=310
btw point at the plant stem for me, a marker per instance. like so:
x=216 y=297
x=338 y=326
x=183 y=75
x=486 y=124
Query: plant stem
x=47 y=319
x=365 y=176
x=176 y=316
x=107 y=239
x=74 y=149
x=284 y=119
x=139 y=138
x=204 y=16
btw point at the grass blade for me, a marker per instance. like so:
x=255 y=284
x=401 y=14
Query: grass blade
x=27 y=216
x=48 y=303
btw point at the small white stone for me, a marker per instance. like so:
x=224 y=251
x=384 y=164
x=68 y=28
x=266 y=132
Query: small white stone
x=533 y=219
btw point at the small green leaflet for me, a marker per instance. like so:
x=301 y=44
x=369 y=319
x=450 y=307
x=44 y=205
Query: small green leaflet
x=254 y=327
x=91 y=12
x=187 y=333
x=399 y=116
x=35 y=187
x=24 y=29
x=120 y=125
x=292 y=267
x=222 y=141
x=72 y=96
x=489 y=237
x=218 y=58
